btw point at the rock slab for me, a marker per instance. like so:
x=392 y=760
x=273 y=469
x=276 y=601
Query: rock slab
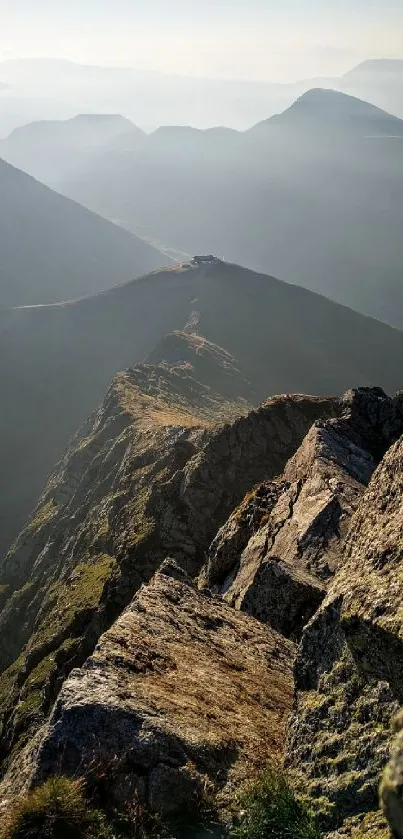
x=348 y=670
x=191 y=696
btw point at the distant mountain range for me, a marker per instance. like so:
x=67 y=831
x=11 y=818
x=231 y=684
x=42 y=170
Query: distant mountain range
x=378 y=80
x=313 y=195
x=53 y=249
x=57 y=89
x=45 y=148
x=56 y=361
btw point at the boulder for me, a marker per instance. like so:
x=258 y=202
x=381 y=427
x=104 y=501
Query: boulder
x=183 y=696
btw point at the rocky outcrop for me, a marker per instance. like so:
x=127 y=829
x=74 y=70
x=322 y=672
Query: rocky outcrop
x=205 y=370
x=232 y=538
x=150 y=474
x=183 y=698
x=112 y=661
x=349 y=666
x=276 y=554
x=391 y=789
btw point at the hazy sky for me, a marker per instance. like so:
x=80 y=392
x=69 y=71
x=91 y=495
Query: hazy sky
x=266 y=39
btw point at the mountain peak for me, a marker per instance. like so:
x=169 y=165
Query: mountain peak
x=334 y=103
x=324 y=106
x=381 y=66
x=101 y=118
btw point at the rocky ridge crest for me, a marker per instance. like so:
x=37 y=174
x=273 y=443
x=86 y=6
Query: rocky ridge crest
x=275 y=556
x=151 y=474
x=149 y=693
x=290 y=518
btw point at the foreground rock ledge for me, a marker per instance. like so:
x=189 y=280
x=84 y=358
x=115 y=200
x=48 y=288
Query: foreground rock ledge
x=183 y=695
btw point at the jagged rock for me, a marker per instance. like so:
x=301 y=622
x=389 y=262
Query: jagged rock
x=182 y=695
x=227 y=547
x=348 y=671
x=391 y=789
x=149 y=475
x=276 y=565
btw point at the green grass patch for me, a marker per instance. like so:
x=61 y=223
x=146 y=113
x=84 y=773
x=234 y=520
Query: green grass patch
x=66 y=599
x=43 y=515
x=270 y=810
x=8 y=681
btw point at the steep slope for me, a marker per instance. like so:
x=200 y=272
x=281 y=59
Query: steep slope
x=56 y=361
x=171 y=692
x=113 y=664
x=53 y=249
x=275 y=556
x=348 y=669
x=149 y=475
x=314 y=197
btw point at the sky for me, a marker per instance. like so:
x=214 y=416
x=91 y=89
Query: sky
x=271 y=40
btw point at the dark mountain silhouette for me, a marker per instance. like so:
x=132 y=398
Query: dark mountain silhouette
x=53 y=249
x=313 y=196
x=56 y=361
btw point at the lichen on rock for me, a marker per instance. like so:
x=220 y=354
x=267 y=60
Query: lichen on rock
x=348 y=665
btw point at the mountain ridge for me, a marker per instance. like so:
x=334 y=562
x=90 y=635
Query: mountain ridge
x=183 y=95
x=78 y=347
x=378 y=64
x=148 y=473
x=293 y=198
x=334 y=104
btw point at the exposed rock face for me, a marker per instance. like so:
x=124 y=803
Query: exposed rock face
x=391 y=790
x=191 y=696
x=226 y=549
x=278 y=551
x=349 y=665
x=172 y=689
x=149 y=475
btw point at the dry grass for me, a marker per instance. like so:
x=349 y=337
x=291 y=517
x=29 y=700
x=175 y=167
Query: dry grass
x=149 y=411
x=56 y=810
